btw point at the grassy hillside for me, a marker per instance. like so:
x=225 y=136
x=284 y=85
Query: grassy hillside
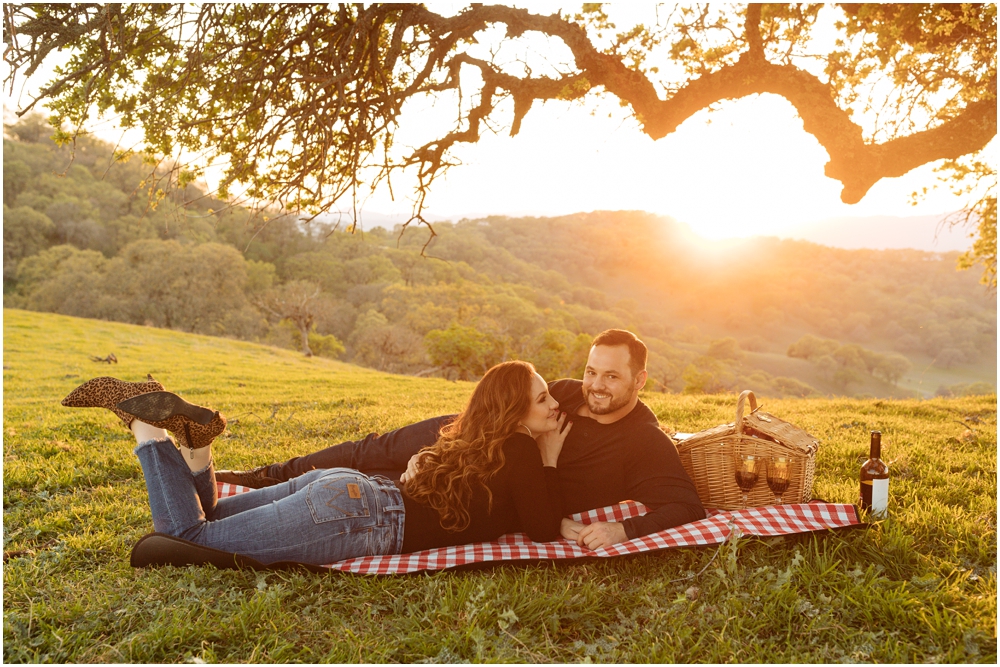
x=917 y=586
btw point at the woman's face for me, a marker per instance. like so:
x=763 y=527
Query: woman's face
x=543 y=411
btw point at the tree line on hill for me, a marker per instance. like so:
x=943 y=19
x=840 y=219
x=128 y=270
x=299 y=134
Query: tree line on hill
x=83 y=235
x=843 y=363
x=907 y=300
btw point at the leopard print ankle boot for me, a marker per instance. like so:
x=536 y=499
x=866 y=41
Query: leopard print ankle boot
x=192 y=425
x=108 y=392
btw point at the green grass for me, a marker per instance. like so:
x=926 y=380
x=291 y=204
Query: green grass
x=918 y=586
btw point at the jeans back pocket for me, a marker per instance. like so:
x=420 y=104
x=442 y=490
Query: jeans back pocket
x=338 y=496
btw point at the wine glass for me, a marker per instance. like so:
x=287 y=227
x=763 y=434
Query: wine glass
x=779 y=473
x=747 y=471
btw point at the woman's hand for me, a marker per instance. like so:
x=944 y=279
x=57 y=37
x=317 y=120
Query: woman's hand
x=550 y=444
x=595 y=535
x=570 y=529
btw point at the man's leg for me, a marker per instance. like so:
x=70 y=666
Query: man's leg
x=384 y=455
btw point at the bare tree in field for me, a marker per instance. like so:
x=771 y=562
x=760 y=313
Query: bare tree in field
x=299 y=302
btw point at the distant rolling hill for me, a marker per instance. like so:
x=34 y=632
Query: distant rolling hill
x=879 y=232
x=885 y=232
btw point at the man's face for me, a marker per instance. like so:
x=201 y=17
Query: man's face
x=608 y=383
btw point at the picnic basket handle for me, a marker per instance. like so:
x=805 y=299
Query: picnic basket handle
x=740 y=404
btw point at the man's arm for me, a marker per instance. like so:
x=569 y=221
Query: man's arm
x=656 y=478
x=604 y=534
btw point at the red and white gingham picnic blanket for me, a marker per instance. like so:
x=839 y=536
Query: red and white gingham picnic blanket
x=768 y=521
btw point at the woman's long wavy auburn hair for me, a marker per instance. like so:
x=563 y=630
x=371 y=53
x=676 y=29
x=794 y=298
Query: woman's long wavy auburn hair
x=469 y=451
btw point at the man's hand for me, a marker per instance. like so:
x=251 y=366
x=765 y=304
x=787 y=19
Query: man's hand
x=600 y=534
x=412 y=466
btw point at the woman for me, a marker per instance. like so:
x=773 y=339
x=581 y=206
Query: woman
x=492 y=471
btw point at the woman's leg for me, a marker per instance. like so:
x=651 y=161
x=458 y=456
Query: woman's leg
x=339 y=514
x=199 y=462
x=241 y=502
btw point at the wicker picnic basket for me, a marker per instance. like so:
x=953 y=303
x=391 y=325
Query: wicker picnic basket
x=708 y=457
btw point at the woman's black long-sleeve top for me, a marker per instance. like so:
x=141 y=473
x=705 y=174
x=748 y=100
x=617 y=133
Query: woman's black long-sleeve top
x=525 y=498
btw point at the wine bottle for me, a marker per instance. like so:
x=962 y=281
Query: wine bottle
x=875 y=479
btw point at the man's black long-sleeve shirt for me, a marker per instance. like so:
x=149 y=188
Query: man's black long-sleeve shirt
x=630 y=459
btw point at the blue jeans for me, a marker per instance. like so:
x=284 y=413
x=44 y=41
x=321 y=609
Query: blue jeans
x=384 y=455
x=321 y=517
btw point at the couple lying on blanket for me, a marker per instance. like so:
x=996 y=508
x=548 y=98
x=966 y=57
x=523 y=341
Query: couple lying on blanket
x=511 y=461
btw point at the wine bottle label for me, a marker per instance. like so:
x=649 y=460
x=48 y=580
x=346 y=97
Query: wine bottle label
x=880 y=496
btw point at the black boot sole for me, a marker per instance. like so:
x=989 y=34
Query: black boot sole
x=159 y=405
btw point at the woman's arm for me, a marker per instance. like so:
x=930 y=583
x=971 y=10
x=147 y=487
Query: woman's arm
x=534 y=490
x=550 y=444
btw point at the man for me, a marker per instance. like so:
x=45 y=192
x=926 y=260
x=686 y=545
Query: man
x=615 y=450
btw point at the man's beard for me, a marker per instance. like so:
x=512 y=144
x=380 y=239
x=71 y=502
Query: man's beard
x=613 y=404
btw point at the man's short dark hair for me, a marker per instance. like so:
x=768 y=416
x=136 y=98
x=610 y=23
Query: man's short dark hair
x=636 y=348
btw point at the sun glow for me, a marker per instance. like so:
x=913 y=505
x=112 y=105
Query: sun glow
x=746 y=169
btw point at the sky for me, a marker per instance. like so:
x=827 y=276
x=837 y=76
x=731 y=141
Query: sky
x=745 y=169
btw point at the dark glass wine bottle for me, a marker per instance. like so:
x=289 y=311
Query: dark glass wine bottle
x=875 y=479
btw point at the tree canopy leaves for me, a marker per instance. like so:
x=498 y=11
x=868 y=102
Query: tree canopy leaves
x=301 y=102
